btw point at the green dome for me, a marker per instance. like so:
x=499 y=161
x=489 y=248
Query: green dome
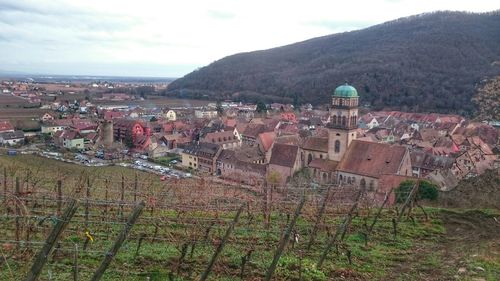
x=346 y=91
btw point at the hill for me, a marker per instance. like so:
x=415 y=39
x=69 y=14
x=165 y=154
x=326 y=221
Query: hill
x=427 y=62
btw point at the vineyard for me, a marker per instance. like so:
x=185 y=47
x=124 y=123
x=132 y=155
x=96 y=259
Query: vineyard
x=65 y=222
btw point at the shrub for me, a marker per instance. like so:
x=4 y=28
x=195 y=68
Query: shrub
x=426 y=190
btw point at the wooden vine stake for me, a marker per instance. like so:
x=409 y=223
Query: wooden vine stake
x=284 y=240
x=53 y=237
x=119 y=241
x=217 y=252
x=341 y=229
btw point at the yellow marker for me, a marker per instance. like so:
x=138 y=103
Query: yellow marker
x=87 y=233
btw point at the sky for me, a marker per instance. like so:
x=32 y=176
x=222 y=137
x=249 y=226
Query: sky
x=172 y=38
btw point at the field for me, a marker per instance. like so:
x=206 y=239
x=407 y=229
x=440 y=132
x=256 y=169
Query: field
x=158 y=101
x=8 y=100
x=25 y=113
x=184 y=223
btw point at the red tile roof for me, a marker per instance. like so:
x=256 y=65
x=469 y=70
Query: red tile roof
x=316 y=144
x=372 y=159
x=267 y=139
x=5 y=125
x=324 y=165
x=284 y=155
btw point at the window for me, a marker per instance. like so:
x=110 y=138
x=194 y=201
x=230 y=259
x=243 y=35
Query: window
x=371 y=185
x=337 y=146
x=362 y=183
x=309 y=159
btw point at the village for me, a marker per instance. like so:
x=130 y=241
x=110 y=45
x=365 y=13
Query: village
x=252 y=144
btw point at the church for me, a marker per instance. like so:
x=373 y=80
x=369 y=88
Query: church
x=350 y=161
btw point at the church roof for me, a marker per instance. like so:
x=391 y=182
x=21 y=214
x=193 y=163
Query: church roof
x=346 y=91
x=372 y=159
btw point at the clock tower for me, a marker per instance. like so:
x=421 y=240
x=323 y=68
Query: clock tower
x=343 y=121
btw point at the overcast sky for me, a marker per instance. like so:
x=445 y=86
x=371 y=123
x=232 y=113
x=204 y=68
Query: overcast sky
x=172 y=38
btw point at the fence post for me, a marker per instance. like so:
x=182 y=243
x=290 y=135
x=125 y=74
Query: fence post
x=217 y=252
x=119 y=241
x=284 y=240
x=75 y=264
x=54 y=235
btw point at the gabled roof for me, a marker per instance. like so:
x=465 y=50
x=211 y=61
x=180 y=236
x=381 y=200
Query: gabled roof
x=12 y=135
x=267 y=140
x=5 y=125
x=202 y=149
x=125 y=123
x=220 y=137
x=429 y=161
x=284 y=155
x=70 y=135
x=324 y=165
x=372 y=159
x=253 y=130
x=230 y=157
x=316 y=144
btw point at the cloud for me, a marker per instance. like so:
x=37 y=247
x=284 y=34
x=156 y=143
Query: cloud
x=73 y=35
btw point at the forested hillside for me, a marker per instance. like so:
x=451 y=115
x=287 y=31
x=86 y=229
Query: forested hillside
x=428 y=62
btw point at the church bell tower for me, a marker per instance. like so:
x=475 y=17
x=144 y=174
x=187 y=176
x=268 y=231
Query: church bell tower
x=343 y=121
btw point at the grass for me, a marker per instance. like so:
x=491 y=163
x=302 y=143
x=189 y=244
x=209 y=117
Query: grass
x=418 y=251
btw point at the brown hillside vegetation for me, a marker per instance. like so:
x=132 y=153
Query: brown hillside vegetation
x=428 y=62
x=478 y=192
x=488 y=100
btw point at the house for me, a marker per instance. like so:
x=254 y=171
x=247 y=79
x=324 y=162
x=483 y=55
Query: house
x=170 y=115
x=250 y=154
x=251 y=132
x=111 y=114
x=84 y=127
x=265 y=142
x=204 y=155
x=423 y=163
x=365 y=162
x=71 y=139
x=51 y=127
x=127 y=130
x=227 y=139
x=232 y=168
x=6 y=126
x=284 y=162
x=11 y=138
x=206 y=114
x=288 y=116
x=368 y=121
x=475 y=160
x=47 y=116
